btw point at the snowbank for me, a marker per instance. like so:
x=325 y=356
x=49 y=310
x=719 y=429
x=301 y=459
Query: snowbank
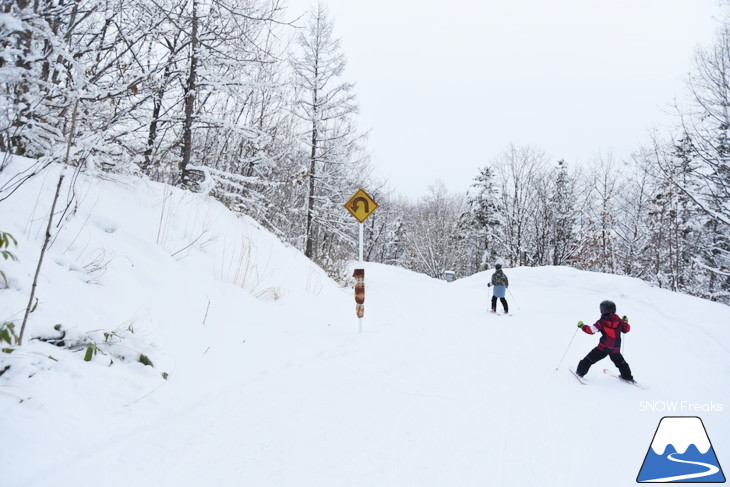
x=270 y=383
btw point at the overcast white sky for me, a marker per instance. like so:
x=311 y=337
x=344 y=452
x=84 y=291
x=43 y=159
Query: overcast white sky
x=445 y=86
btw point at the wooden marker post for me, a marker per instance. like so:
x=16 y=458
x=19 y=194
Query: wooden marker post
x=359 y=276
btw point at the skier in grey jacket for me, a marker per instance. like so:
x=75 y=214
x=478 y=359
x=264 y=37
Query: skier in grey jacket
x=500 y=283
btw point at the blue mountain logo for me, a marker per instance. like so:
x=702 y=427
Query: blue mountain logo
x=681 y=452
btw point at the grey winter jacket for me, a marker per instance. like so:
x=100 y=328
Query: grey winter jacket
x=499 y=278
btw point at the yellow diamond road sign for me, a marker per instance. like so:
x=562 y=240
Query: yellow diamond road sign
x=361 y=205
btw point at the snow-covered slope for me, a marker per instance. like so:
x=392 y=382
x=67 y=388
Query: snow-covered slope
x=269 y=382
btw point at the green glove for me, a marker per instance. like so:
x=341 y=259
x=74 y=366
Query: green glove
x=581 y=324
x=625 y=318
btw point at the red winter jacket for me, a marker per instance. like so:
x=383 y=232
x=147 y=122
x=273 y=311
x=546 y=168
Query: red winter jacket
x=611 y=327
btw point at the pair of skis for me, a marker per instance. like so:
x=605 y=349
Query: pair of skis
x=608 y=372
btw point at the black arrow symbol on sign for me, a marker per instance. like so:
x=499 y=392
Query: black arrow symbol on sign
x=365 y=202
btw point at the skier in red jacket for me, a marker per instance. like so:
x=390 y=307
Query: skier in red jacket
x=611 y=327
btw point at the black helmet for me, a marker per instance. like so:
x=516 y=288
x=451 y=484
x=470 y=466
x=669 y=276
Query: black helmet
x=498 y=266
x=607 y=307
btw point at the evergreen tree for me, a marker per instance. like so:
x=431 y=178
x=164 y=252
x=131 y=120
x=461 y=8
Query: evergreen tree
x=564 y=243
x=482 y=224
x=673 y=223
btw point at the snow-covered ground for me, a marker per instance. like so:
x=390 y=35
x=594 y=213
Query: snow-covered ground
x=269 y=382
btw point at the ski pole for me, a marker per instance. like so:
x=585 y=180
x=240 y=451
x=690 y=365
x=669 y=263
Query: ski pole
x=566 y=350
x=513 y=298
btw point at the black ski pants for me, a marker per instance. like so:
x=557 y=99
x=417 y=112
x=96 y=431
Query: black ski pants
x=501 y=300
x=595 y=355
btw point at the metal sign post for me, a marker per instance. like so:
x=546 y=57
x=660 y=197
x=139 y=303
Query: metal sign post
x=361 y=206
x=361 y=240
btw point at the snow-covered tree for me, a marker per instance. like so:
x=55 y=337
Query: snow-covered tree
x=672 y=224
x=604 y=193
x=519 y=169
x=56 y=59
x=325 y=105
x=222 y=100
x=564 y=206
x=706 y=137
x=481 y=226
x=432 y=232
x=385 y=229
